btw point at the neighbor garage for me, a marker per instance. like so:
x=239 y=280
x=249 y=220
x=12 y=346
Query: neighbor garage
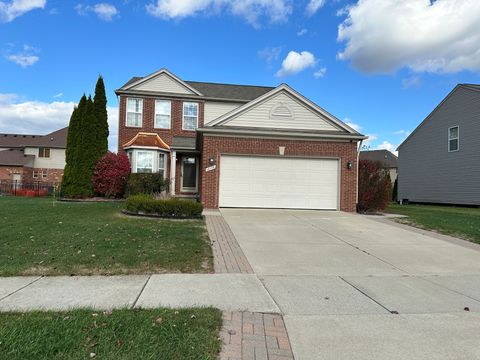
x=279 y=182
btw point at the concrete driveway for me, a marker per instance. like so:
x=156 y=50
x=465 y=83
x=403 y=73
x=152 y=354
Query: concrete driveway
x=351 y=287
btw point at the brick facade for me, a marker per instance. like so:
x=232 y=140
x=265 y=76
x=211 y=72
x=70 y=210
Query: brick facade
x=126 y=133
x=213 y=146
x=54 y=176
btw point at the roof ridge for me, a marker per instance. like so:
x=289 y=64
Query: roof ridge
x=218 y=83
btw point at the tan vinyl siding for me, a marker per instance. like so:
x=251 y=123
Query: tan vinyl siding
x=55 y=161
x=302 y=117
x=214 y=110
x=163 y=83
x=428 y=172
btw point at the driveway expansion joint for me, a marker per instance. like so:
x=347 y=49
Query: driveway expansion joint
x=141 y=292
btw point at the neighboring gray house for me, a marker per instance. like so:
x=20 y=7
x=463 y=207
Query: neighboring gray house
x=388 y=160
x=440 y=161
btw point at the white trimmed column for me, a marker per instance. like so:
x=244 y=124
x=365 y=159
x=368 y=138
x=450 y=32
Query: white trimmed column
x=173 y=168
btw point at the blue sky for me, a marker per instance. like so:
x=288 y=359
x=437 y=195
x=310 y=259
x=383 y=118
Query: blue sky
x=382 y=65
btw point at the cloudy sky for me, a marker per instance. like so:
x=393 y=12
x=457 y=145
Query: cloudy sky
x=380 y=65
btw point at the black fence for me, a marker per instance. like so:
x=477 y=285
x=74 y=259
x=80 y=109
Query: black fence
x=33 y=189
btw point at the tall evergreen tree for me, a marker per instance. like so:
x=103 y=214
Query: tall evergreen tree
x=101 y=131
x=69 y=179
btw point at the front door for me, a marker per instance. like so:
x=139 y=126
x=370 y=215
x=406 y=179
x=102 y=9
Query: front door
x=189 y=174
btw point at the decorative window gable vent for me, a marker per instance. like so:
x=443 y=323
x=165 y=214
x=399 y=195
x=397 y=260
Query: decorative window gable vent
x=281 y=110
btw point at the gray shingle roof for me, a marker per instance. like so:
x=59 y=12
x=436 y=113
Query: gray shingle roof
x=15 y=157
x=387 y=159
x=230 y=91
x=56 y=139
x=471 y=86
x=221 y=91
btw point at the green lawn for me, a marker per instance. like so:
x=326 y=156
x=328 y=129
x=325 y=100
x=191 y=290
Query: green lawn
x=46 y=237
x=455 y=221
x=122 y=334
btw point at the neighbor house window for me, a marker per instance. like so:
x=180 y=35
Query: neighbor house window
x=134 y=112
x=44 y=152
x=161 y=164
x=163 y=112
x=44 y=174
x=190 y=116
x=453 y=138
x=145 y=161
x=35 y=174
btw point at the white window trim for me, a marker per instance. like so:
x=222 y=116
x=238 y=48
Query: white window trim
x=457 y=138
x=35 y=174
x=183 y=115
x=133 y=158
x=155 y=115
x=160 y=153
x=44 y=174
x=190 y=189
x=126 y=113
x=44 y=150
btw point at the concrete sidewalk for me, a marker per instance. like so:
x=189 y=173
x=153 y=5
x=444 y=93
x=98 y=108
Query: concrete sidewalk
x=228 y=292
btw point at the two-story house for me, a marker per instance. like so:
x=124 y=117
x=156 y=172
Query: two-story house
x=440 y=161
x=33 y=158
x=238 y=145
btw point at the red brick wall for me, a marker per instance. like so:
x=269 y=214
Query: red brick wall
x=127 y=133
x=6 y=172
x=215 y=146
x=53 y=175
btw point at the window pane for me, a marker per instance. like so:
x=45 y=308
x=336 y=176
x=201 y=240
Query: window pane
x=144 y=161
x=161 y=161
x=162 y=121
x=454 y=133
x=190 y=123
x=190 y=109
x=453 y=145
x=134 y=119
x=163 y=107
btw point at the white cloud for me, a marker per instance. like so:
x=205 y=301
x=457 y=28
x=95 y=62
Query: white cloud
x=37 y=117
x=401 y=132
x=15 y=8
x=385 y=145
x=23 y=60
x=276 y=11
x=104 y=11
x=439 y=36
x=313 y=6
x=296 y=62
x=302 y=32
x=413 y=81
x=58 y=95
x=320 y=73
x=25 y=57
x=270 y=54
x=353 y=125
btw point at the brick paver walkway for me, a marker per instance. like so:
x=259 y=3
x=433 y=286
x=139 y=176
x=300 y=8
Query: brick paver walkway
x=228 y=256
x=254 y=336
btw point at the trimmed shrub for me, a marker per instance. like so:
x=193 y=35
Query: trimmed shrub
x=170 y=208
x=111 y=175
x=146 y=184
x=374 y=186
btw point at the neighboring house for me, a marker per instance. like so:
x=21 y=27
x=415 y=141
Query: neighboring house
x=238 y=145
x=440 y=161
x=33 y=158
x=388 y=160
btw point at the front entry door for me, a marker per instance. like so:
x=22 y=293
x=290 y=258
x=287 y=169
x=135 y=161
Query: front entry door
x=189 y=174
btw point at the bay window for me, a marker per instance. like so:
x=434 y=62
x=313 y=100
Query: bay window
x=144 y=162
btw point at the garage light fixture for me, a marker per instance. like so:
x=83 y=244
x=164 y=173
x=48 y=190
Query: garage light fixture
x=349 y=165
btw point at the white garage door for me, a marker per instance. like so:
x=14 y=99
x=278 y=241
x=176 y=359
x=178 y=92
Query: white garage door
x=278 y=182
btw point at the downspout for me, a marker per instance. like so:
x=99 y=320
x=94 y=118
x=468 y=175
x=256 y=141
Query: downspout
x=358 y=159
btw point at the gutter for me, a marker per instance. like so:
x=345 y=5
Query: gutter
x=290 y=134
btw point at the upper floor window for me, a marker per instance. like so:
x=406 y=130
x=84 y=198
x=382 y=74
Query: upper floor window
x=453 y=139
x=134 y=112
x=190 y=116
x=163 y=114
x=44 y=152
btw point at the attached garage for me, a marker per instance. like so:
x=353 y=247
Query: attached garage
x=279 y=182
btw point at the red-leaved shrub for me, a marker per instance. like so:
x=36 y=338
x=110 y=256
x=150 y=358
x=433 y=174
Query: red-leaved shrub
x=111 y=175
x=374 y=186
